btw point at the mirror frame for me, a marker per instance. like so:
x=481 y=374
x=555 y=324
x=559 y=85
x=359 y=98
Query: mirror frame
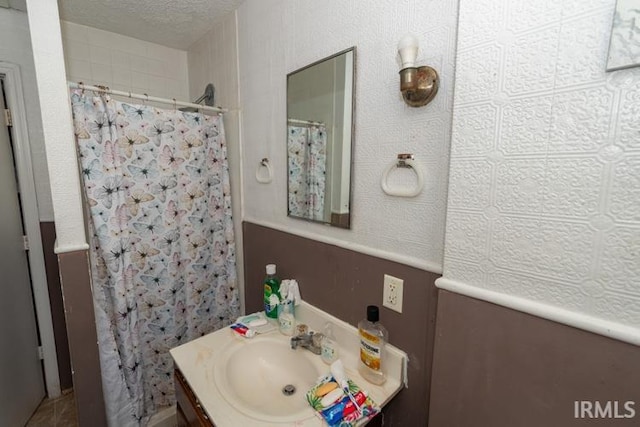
x=353 y=135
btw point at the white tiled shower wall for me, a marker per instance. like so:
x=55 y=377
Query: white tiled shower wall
x=95 y=57
x=214 y=59
x=278 y=37
x=545 y=159
x=101 y=57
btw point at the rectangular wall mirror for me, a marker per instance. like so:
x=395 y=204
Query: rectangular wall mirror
x=320 y=133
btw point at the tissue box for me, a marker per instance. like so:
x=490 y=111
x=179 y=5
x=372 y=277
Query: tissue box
x=342 y=412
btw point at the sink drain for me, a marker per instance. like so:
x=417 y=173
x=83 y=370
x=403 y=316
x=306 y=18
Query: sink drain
x=288 y=390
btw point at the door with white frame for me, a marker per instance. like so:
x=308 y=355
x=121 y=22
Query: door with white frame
x=22 y=382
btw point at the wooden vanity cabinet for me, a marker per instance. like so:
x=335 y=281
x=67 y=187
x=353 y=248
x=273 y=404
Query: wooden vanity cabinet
x=188 y=408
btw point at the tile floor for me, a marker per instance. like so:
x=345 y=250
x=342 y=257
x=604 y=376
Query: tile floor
x=59 y=412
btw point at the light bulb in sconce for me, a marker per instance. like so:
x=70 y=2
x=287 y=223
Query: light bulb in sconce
x=408 y=50
x=418 y=84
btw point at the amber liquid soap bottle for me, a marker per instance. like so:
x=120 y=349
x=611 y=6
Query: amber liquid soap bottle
x=373 y=337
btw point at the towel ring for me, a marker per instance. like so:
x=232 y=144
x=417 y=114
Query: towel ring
x=264 y=163
x=403 y=161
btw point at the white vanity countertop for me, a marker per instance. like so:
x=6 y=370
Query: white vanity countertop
x=197 y=359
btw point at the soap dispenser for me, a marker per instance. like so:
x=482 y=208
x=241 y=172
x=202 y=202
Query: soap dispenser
x=329 y=351
x=286 y=312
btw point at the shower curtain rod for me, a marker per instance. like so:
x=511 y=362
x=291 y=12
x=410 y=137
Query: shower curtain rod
x=305 y=122
x=146 y=97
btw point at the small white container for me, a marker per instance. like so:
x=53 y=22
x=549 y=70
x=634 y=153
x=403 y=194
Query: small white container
x=286 y=317
x=329 y=351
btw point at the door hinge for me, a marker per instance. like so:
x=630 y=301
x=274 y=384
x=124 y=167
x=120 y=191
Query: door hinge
x=8 y=118
x=25 y=242
x=40 y=353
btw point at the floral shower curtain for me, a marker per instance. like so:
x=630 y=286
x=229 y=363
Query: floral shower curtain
x=307 y=154
x=162 y=246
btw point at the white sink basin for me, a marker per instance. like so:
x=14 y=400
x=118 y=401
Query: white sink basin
x=251 y=375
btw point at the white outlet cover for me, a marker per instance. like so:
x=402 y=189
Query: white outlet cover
x=392 y=293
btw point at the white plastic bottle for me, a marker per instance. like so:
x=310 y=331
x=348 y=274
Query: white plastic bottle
x=286 y=317
x=329 y=347
x=373 y=337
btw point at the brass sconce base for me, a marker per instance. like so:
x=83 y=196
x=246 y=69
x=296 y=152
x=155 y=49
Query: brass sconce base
x=419 y=85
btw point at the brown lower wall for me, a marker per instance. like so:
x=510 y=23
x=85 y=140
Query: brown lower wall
x=83 y=340
x=48 y=233
x=496 y=367
x=343 y=282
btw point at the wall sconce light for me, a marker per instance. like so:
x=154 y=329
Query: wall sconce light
x=418 y=85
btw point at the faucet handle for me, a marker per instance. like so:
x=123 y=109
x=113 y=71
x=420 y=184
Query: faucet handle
x=301 y=329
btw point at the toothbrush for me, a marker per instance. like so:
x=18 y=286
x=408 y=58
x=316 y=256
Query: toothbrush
x=337 y=370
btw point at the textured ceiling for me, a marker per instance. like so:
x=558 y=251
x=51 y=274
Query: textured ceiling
x=170 y=23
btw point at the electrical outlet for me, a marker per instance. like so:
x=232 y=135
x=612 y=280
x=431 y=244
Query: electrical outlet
x=392 y=293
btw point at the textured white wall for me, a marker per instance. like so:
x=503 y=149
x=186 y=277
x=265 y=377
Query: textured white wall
x=16 y=48
x=544 y=190
x=277 y=37
x=46 y=40
x=101 y=57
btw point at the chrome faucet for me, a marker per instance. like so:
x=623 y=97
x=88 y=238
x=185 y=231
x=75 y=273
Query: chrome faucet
x=311 y=341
